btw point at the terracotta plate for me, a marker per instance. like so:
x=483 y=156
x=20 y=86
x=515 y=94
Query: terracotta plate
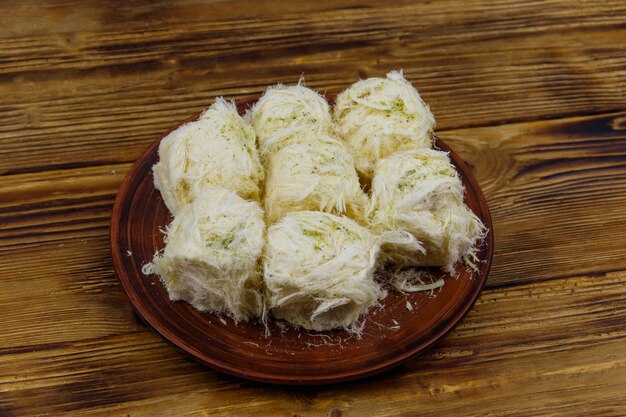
x=392 y=334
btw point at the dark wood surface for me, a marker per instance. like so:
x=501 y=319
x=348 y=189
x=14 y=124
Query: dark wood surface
x=530 y=94
x=392 y=334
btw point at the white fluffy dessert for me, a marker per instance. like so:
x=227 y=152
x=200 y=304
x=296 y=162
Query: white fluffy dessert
x=319 y=270
x=287 y=114
x=420 y=192
x=211 y=254
x=218 y=149
x=313 y=176
x=378 y=116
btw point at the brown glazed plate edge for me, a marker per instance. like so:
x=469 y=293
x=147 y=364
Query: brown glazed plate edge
x=189 y=350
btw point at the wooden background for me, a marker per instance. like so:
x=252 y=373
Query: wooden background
x=531 y=94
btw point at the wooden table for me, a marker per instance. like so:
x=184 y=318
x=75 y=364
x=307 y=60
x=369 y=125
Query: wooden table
x=531 y=94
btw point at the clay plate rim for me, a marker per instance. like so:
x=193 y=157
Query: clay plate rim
x=472 y=189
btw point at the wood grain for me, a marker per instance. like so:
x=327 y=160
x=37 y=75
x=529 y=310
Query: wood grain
x=568 y=358
x=104 y=92
x=57 y=204
x=531 y=94
x=61 y=291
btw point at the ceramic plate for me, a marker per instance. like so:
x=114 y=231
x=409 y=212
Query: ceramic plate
x=405 y=325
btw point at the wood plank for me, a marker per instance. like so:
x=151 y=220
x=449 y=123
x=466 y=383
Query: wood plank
x=563 y=177
x=61 y=204
x=65 y=16
x=61 y=291
x=75 y=15
x=101 y=90
x=543 y=349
